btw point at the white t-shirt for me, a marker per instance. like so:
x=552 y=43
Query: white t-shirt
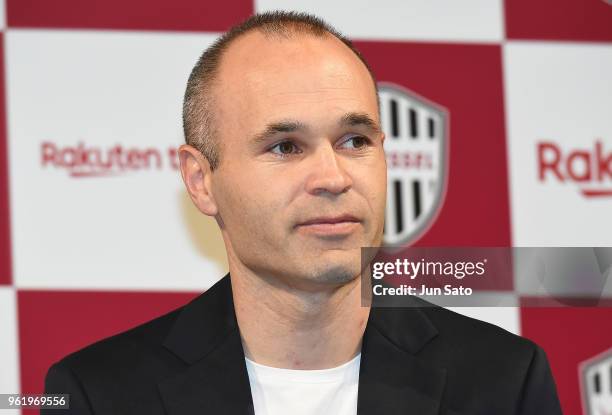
x=304 y=392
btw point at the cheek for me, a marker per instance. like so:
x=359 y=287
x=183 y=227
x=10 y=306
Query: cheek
x=250 y=206
x=373 y=185
x=237 y=205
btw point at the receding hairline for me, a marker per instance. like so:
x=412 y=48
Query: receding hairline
x=284 y=36
x=202 y=86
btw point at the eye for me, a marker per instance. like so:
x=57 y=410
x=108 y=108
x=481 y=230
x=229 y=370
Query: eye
x=359 y=142
x=284 y=148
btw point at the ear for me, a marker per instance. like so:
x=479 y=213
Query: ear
x=196 y=174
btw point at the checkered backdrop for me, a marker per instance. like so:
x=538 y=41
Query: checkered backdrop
x=94 y=218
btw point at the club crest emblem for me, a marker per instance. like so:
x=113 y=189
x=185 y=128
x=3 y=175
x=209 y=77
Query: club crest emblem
x=596 y=384
x=416 y=148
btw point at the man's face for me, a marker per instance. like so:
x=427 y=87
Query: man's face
x=301 y=148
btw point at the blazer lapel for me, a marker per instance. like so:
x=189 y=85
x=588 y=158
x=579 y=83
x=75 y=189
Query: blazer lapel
x=392 y=379
x=206 y=337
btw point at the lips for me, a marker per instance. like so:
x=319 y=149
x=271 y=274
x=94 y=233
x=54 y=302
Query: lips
x=330 y=220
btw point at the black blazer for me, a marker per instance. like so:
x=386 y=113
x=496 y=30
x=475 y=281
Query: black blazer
x=420 y=361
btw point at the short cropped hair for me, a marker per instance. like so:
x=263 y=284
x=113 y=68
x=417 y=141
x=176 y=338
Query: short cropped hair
x=198 y=123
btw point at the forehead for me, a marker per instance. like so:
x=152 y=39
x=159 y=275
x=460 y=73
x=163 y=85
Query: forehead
x=264 y=74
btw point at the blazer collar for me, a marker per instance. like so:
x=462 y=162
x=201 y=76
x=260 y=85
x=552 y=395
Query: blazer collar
x=205 y=335
x=392 y=379
x=203 y=323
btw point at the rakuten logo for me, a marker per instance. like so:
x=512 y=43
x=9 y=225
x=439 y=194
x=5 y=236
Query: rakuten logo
x=91 y=161
x=590 y=168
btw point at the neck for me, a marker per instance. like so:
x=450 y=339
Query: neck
x=285 y=327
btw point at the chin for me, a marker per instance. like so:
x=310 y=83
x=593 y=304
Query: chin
x=335 y=275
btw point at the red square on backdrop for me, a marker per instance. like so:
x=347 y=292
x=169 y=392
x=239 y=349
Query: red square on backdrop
x=53 y=324
x=5 y=234
x=191 y=15
x=467 y=81
x=577 y=335
x=585 y=20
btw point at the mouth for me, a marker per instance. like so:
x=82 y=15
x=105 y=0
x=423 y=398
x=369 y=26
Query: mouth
x=330 y=225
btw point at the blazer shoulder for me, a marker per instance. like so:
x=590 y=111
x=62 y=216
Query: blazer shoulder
x=135 y=344
x=461 y=329
x=118 y=374
x=483 y=358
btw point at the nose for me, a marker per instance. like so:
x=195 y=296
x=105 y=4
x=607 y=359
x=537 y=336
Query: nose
x=327 y=173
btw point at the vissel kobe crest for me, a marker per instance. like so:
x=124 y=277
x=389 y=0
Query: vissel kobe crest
x=416 y=147
x=596 y=384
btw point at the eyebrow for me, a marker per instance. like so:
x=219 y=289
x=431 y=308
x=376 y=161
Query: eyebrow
x=359 y=119
x=278 y=127
x=351 y=119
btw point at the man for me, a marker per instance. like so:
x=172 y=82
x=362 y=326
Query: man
x=285 y=151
